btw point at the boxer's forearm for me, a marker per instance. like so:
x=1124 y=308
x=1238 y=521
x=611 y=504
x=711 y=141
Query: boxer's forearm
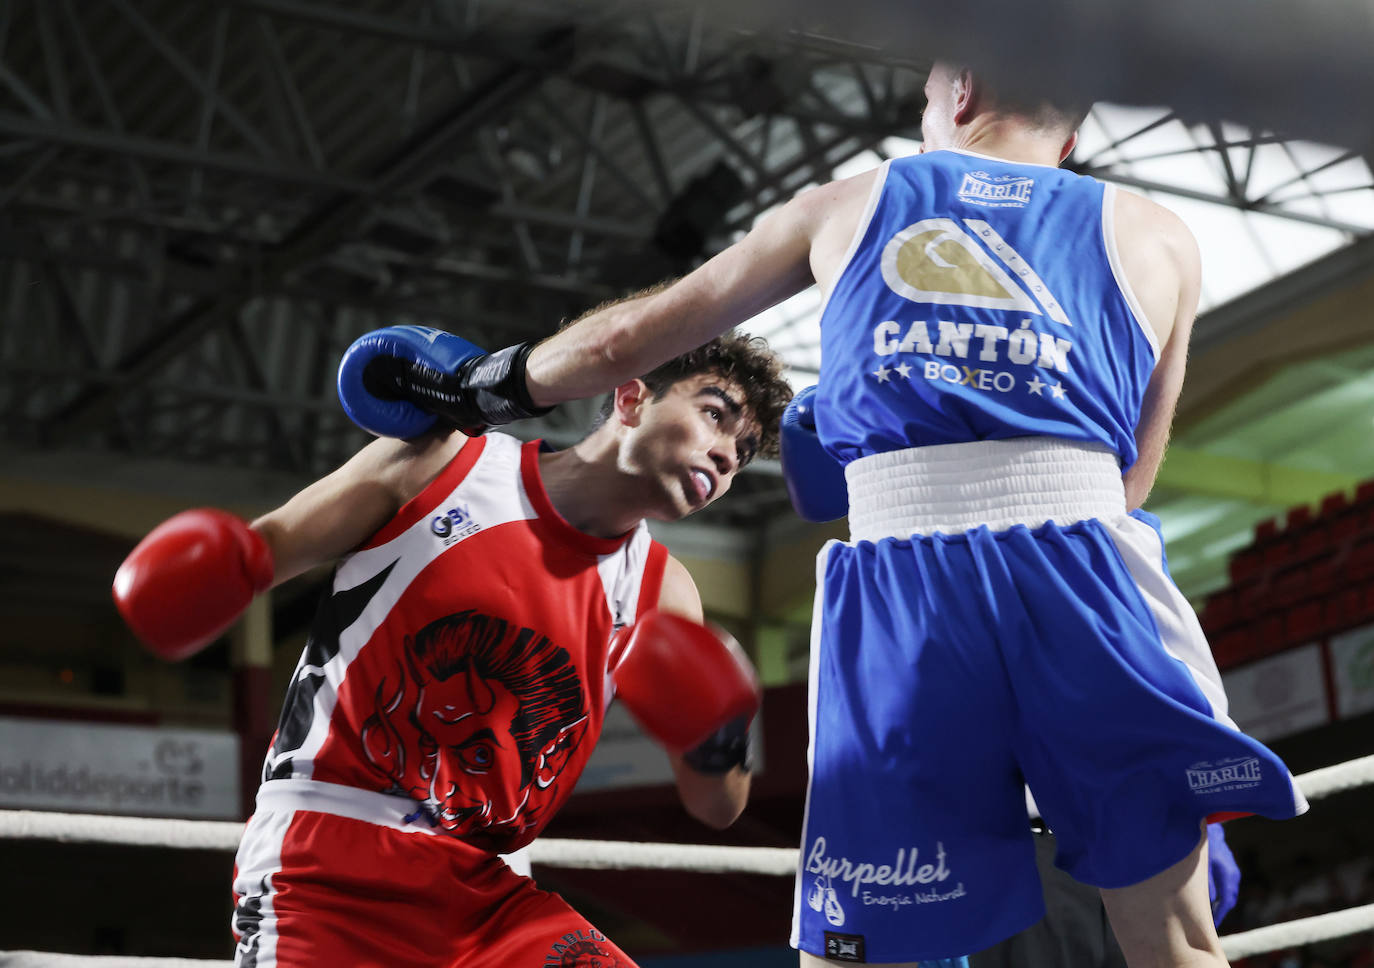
x=603 y=350
x=716 y=801
x=628 y=339
x=335 y=514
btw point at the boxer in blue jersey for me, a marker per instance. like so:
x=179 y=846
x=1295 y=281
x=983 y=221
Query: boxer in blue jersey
x=1003 y=344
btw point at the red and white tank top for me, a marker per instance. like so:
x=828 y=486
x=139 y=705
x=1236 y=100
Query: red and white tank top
x=459 y=658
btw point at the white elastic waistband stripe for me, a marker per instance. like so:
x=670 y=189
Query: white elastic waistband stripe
x=344 y=801
x=952 y=488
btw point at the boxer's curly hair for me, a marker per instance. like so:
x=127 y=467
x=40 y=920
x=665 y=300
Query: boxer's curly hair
x=741 y=359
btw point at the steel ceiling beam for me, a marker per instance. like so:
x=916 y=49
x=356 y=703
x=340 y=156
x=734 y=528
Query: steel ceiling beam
x=74 y=135
x=1245 y=205
x=329 y=225
x=410 y=33
x=281 y=71
x=203 y=85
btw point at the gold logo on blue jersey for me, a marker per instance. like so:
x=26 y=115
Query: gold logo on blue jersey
x=939 y=261
x=936 y=261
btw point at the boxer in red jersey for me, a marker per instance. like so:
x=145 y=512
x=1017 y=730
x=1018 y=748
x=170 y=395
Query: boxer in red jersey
x=489 y=599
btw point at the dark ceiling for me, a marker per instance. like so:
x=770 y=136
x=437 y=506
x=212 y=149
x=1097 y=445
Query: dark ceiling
x=202 y=204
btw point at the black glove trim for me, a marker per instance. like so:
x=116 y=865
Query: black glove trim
x=729 y=747
x=501 y=390
x=484 y=391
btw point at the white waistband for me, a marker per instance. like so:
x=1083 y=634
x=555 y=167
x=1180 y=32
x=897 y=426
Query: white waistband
x=952 y=488
x=399 y=813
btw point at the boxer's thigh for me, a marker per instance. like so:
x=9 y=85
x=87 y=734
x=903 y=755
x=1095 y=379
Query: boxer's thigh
x=313 y=889
x=1074 y=932
x=535 y=927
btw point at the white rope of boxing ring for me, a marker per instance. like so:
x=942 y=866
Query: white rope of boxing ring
x=601 y=855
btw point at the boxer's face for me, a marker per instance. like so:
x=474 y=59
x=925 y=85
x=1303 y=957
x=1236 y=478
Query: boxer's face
x=690 y=443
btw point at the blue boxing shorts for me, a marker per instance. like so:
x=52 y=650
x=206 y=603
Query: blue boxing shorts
x=997 y=620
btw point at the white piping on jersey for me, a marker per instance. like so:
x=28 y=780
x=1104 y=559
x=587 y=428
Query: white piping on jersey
x=622 y=574
x=1019 y=268
x=870 y=207
x=1119 y=271
x=1005 y=161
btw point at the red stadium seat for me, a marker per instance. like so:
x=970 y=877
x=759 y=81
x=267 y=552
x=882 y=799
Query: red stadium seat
x=1245 y=565
x=1233 y=646
x=1280 y=552
x=1289 y=585
x=1314 y=540
x=1271 y=636
x=1358 y=564
x=1299 y=516
x=1219 y=612
x=1305 y=622
x=1334 y=504
x=1324 y=576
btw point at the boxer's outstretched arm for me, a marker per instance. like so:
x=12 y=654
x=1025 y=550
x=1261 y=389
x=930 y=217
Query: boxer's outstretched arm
x=715 y=800
x=340 y=511
x=629 y=338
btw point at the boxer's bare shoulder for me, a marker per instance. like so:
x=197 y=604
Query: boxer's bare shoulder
x=835 y=213
x=1160 y=258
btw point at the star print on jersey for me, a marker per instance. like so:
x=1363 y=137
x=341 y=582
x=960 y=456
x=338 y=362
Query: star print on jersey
x=977 y=378
x=981 y=356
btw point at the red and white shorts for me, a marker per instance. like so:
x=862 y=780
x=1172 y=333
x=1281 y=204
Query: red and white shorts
x=330 y=875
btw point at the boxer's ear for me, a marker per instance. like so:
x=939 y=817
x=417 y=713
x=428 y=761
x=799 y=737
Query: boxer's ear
x=967 y=96
x=1065 y=151
x=629 y=401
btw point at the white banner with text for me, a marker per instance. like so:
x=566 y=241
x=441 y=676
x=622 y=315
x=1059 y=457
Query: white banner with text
x=1352 y=666
x=1280 y=695
x=106 y=768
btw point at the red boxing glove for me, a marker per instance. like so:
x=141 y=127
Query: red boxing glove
x=681 y=680
x=189 y=579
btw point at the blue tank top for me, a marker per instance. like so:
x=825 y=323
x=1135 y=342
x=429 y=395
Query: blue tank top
x=981 y=300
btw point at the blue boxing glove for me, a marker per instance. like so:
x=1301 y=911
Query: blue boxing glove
x=401 y=380
x=372 y=400
x=815 y=480
x=1223 y=875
